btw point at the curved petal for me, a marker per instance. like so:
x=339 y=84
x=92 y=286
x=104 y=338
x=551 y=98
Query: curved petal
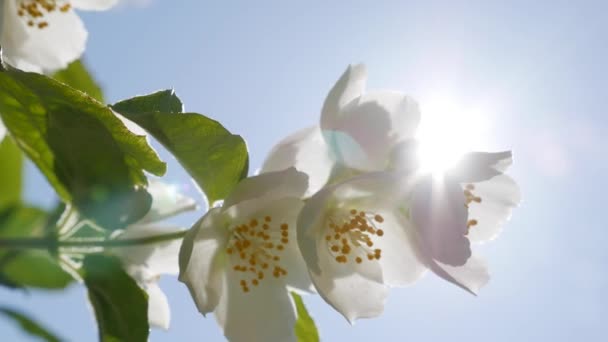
x=352 y=286
x=440 y=216
x=2 y=131
x=350 y=86
x=13 y=33
x=480 y=166
x=159 y=313
x=306 y=151
x=369 y=127
x=49 y=49
x=349 y=288
x=277 y=218
x=383 y=194
x=200 y=260
x=471 y=276
x=286 y=211
x=166 y=202
x=400 y=262
x=271 y=185
x=93 y=5
x=498 y=196
x=266 y=313
x=152 y=259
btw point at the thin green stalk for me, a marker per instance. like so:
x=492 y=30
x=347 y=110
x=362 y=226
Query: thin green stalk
x=45 y=243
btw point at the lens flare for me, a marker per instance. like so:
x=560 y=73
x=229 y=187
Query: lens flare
x=447 y=131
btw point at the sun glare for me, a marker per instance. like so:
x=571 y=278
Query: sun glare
x=447 y=131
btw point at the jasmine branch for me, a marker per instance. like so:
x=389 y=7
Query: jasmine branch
x=46 y=243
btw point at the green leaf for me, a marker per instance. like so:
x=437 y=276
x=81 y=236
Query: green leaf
x=121 y=307
x=29 y=325
x=215 y=158
x=31 y=268
x=34 y=268
x=86 y=153
x=78 y=77
x=305 y=328
x=11 y=167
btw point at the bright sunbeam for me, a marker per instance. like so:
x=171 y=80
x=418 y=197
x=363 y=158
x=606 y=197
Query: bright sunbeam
x=447 y=131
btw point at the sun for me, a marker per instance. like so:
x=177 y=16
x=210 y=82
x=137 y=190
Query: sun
x=447 y=131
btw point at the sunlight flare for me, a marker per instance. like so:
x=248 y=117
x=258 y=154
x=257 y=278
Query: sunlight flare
x=447 y=131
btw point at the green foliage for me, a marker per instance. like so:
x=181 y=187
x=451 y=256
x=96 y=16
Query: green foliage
x=215 y=158
x=306 y=331
x=32 y=267
x=29 y=325
x=86 y=153
x=78 y=77
x=121 y=306
x=11 y=164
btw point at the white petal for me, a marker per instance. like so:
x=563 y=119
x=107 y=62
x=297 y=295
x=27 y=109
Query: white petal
x=159 y=313
x=400 y=262
x=271 y=185
x=93 y=5
x=149 y=259
x=285 y=211
x=349 y=87
x=440 y=216
x=480 y=166
x=349 y=288
x=499 y=196
x=2 y=131
x=166 y=202
x=266 y=313
x=13 y=34
x=49 y=49
x=306 y=151
x=369 y=127
x=200 y=260
x=353 y=289
x=471 y=276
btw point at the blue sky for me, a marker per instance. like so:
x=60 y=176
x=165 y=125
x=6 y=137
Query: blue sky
x=536 y=69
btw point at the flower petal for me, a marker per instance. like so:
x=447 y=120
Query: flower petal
x=285 y=211
x=150 y=260
x=349 y=87
x=200 y=261
x=271 y=185
x=381 y=193
x=48 y=49
x=2 y=131
x=93 y=5
x=266 y=313
x=354 y=289
x=480 y=166
x=499 y=195
x=400 y=262
x=166 y=202
x=369 y=127
x=306 y=151
x=440 y=216
x=471 y=276
x=159 y=313
x=349 y=288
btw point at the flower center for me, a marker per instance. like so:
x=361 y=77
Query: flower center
x=33 y=11
x=350 y=236
x=255 y=249
x=470 y=197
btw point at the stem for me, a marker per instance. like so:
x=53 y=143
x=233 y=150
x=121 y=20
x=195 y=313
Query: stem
x=45 y=243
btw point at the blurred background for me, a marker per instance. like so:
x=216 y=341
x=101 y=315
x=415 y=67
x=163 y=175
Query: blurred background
x=521 y=75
